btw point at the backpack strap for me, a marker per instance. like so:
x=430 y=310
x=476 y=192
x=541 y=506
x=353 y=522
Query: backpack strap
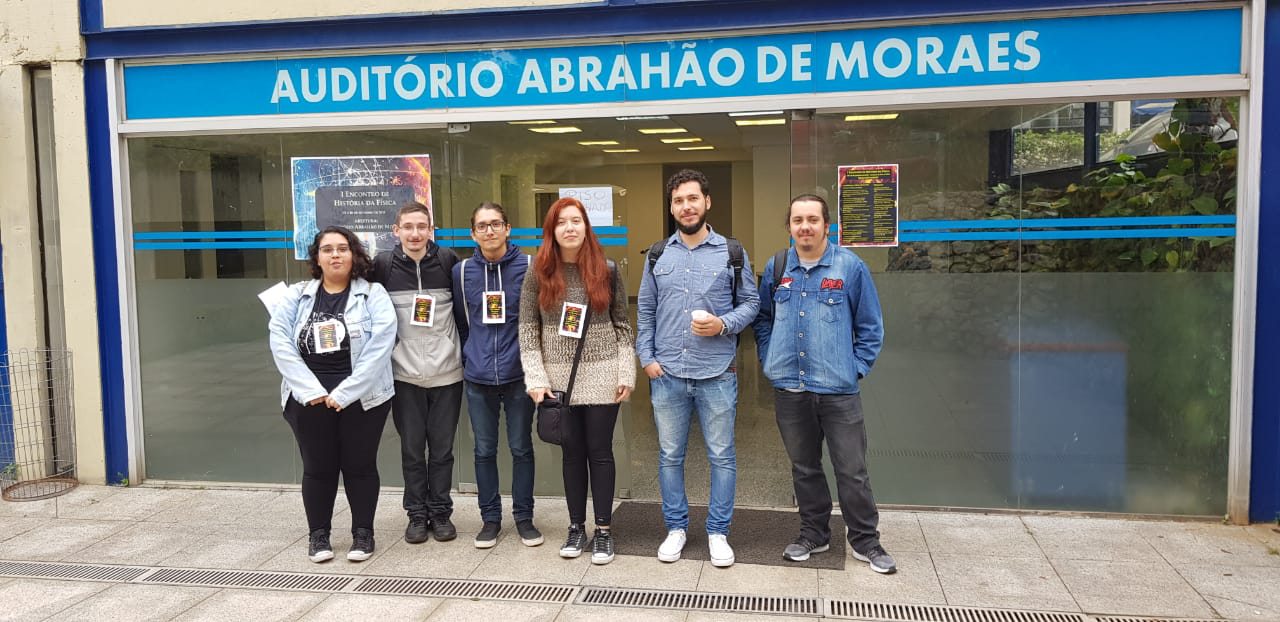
x=462 y=274
x=779 y=268
x=447 y=259
x=655 y=252
x=736 y=261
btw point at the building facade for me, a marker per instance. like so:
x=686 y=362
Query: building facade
x=1070 y=266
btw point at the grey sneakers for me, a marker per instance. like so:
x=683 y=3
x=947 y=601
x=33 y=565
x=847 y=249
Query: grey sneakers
x=576 y=542
x=361 y=544
x=488 y=535
x=529 y=535
x=318 y=547
x=880 y=560
x=800 y=549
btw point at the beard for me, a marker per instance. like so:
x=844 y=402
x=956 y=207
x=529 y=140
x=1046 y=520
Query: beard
x=695 y=227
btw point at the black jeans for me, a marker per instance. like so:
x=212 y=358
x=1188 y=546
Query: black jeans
x=427 y=420
x=805 y=419
x=588 y=455
x=333 y=442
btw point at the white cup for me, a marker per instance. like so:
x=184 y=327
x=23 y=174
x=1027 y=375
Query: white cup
x=699 y=314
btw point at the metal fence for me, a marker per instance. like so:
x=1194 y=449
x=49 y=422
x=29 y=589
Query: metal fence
x=37 y=425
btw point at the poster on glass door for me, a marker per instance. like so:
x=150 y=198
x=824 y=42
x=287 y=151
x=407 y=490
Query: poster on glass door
x=868 y=205
x=361 y=193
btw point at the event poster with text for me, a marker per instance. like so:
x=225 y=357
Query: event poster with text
x=361 y=193
x=868 y=207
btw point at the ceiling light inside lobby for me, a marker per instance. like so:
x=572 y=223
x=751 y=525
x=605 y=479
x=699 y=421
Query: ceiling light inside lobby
x=753 y=122
x=559 y=129
x=888 y=116
x=663 y=130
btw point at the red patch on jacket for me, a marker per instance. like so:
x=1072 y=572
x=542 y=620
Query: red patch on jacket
x=832 y=284
x=786 y=282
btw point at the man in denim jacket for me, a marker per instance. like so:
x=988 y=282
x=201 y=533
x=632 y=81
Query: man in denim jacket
x=818 y=332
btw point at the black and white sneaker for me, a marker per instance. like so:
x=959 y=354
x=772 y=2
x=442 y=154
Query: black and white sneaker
x=576 y=542
x=879 y=560
x=488 y=535
x=361 y=544
x=800 y=549
x=529 y=535
x=318 y=547
x=602 y=547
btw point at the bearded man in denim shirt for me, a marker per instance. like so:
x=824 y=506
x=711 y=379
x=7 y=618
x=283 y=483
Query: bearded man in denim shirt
x=688 y=319
x=818 y=333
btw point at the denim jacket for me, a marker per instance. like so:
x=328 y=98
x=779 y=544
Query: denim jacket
x=823 y=330
x=371 y=324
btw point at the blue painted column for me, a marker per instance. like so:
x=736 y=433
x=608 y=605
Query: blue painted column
x=1264 y=481
x=106 y=270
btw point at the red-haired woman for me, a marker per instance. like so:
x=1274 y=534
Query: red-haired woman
x=571 y=279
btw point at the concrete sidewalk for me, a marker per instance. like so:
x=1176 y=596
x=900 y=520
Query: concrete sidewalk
x=1086 y=566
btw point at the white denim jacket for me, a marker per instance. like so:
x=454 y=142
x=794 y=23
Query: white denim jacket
x=371 y=324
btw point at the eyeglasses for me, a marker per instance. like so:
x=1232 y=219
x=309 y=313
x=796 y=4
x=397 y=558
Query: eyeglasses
x=496 y=225
x=335 y=250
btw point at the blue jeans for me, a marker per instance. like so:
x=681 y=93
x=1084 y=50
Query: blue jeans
x=483 y=404
x=716 y=400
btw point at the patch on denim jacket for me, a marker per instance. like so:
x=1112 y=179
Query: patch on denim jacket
x=785 y=283
x=832 y=284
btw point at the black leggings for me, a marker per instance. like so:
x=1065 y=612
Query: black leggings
x=588 y=446
x=333 y=442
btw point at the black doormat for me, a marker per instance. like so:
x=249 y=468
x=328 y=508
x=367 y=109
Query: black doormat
x=757 y=536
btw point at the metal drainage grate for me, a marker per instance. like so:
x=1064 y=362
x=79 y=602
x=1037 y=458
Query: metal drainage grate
x=732 y=603
x=85 y=572
x=454 y=588
x=881 y=612
x=241 y=578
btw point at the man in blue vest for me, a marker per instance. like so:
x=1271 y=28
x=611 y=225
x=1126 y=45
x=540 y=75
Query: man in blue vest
x=695 y=297
x=488 y=287
x=818 y=333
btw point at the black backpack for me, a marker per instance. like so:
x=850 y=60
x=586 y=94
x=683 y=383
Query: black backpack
x=737 y=260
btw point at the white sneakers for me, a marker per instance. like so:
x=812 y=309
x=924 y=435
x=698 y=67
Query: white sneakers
x=721 y=552
x=672 y=546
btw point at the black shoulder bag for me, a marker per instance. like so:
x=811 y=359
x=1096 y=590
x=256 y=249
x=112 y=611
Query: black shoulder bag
x=553 y=410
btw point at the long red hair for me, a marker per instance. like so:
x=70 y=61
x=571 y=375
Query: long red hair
x=591 y=263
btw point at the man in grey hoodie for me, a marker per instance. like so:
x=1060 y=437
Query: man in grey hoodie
x=427 y=366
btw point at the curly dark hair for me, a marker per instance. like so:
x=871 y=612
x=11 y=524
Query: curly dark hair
x=361 y=265
x=684 y=176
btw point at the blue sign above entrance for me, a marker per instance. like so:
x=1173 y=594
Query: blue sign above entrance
x=1046 y=50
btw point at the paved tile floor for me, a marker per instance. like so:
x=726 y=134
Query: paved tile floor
x=1038 y=562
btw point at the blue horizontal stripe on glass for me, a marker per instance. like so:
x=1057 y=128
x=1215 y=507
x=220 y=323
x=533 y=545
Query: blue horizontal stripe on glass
x=534 y=243
x=175 y=246
x=210 y=235
x=526 y=231
x=1088 y=234
x=1042 y=223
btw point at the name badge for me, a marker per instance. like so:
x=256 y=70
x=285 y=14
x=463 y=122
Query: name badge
x=327 y=336
x=424 y=310
x=495 y=307
x=571 y=320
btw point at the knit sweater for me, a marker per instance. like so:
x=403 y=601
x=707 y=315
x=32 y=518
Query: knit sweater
x=608 y=356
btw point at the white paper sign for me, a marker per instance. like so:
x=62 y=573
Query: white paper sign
x=598 y=201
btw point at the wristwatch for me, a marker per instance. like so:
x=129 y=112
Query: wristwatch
x=724 y=328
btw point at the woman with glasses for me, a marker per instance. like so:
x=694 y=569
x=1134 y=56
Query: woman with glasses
x=331 y=338
x=573 y=293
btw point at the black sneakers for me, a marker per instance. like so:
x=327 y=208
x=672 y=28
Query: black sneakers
x=488 y=535
x=529 y=534
x=443 y=530
x=800 y=549
x=361 y=544
x=880 y=560
x=576 y=542
x=318 y=547
x=602 y=547
x=418 y=530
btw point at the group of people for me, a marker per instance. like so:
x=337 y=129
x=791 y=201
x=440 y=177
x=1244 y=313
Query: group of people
x=411 y=331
